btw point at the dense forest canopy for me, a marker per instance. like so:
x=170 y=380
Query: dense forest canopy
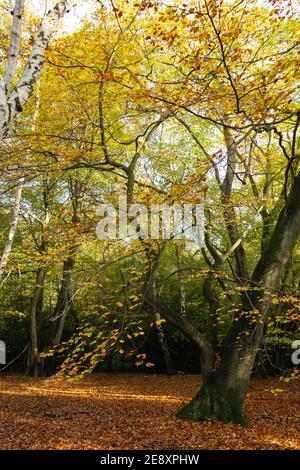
x=162 y=103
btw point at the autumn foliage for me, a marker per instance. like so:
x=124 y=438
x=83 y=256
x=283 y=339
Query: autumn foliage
x=162 y=104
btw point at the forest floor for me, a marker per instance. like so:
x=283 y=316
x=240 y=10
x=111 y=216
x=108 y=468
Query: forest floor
x=136 y=411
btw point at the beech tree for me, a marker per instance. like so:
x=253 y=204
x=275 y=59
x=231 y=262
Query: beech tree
x=181 y=102
x=225 y=382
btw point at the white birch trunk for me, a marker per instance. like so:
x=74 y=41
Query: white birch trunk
x=12 y=103
x=17 y=205
x=13 y=54
x=15 y=43
x=12 y=229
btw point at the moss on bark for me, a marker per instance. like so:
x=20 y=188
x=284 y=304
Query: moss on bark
x=214 y=402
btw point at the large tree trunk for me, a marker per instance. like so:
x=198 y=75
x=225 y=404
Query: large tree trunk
x=221 y=398
x=223 y=392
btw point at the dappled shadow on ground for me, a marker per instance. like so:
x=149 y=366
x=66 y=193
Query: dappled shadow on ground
x=136 y=411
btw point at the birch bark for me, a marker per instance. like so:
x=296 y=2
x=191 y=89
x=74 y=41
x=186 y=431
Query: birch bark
x=12 y=103
x=12 y=229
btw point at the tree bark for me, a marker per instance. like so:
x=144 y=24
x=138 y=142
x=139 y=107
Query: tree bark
x=12 y=229
x=229 y=210
x=5 y=85
x=63 y=300
x=15 y=42
x=13 y=54
x=33 y=362
x=64 y=295
x=170 y=369
x=181 y=283
x=12 y=103
x=206 y=351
